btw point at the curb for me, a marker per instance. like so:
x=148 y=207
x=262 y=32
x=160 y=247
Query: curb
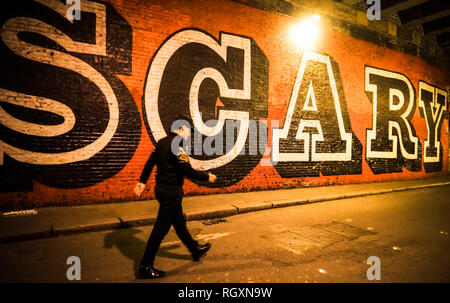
x=202 y=215
x=211 y=214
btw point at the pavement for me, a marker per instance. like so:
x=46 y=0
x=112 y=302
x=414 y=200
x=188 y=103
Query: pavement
x=57 y=221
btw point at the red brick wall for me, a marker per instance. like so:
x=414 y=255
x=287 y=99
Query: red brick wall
x=103 y=129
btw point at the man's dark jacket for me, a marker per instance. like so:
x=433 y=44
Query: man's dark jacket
x=171 y=168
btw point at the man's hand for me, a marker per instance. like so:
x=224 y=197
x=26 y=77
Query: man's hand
x=212 y=178
x=139 y=188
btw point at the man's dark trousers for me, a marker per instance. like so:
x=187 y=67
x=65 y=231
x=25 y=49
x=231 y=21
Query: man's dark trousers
x=170 y=213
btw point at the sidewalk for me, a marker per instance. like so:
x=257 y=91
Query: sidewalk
x=55 y=221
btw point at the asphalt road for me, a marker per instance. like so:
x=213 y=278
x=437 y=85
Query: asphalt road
x=323 y=242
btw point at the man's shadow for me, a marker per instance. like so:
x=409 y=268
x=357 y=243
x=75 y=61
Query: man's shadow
x=133 y=248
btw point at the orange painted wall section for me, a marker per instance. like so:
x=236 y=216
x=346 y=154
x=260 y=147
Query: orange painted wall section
x=152 y=25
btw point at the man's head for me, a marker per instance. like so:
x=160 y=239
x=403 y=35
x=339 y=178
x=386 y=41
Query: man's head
x=183 y=126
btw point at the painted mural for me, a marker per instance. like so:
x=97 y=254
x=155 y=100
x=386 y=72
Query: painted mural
x=194 y=73
x=316 y=136
x=85 y=95
x=63 y=111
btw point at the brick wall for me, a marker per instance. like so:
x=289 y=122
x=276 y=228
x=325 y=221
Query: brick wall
x=82 y=103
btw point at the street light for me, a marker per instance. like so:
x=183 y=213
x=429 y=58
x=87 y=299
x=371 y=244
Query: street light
x=305 y=33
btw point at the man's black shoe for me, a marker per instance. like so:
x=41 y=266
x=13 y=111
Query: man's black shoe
x=149 y=272
x=201 y=251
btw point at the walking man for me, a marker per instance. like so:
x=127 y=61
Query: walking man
x=172 y=166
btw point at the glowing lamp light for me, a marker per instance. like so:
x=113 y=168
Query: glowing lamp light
x=305 y=33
